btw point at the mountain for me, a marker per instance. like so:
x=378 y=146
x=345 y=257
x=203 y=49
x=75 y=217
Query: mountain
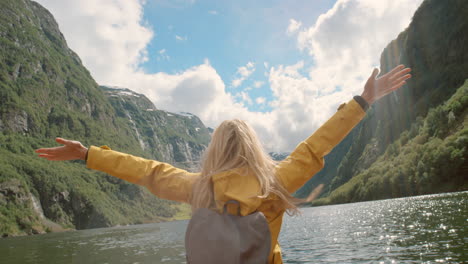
x=431 y=157
x=177 y=138
x=278 y=156
x=435 y=46
x=46 y=92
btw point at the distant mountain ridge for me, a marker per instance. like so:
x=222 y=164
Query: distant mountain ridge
x=278 y=156
x=46 y=92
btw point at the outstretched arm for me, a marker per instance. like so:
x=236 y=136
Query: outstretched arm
x=308 y=157
x=162 y=179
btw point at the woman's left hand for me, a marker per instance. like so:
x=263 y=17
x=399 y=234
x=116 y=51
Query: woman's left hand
x=377 y=88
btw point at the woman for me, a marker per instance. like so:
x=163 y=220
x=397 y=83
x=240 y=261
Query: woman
x=235 y=166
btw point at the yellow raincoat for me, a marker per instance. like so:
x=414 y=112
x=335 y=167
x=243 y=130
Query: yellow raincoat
x=168 y=182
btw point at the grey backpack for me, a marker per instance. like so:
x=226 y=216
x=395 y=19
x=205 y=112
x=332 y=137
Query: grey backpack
x=214 y=238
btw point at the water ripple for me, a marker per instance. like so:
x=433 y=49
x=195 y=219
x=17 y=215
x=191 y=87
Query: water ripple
x=424 y=229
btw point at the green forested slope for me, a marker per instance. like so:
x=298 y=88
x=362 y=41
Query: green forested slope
x=46 y=92
x=435 y=46
x=431 y=157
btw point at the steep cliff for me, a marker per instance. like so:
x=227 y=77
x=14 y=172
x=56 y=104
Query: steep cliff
x=46 y=92
x=431 y=157
x=178 y=138
x=435 y=47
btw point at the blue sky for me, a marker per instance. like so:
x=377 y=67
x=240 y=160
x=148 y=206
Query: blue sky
x=281 y=65
x=229 y=34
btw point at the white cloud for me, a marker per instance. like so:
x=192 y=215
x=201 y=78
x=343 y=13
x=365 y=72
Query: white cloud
x=104 y=33
x=344 y=44
x=347 y=41
x=163 y=55
x=258 y=84
x=293 y=26
x=180 y=38
x=236 y=82
x=213 y=12
x=245 y=98
x=260 y=100
x=243 y=73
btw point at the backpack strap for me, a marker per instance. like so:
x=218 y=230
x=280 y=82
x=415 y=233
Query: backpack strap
x=225 y=211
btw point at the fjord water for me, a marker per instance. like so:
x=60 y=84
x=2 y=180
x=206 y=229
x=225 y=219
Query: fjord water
x=423 y=229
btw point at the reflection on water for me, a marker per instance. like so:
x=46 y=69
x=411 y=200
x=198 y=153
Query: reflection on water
x=429 y=229
x=424 y=229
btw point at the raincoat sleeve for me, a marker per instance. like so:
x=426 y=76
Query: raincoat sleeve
x=308 y=157
x=162 y=179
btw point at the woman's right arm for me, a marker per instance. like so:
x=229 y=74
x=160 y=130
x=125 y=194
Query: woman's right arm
x=162 y=179
x=308 y=157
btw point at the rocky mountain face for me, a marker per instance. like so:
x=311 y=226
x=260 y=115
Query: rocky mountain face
x=177 y=138
x=46 y=92
x=435 y=47
x=278 y=156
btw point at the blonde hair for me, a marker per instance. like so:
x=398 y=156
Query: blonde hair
x=234 y=144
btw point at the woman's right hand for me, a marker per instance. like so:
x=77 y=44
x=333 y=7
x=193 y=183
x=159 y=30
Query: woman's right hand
x=378 y=87
x=71 y=150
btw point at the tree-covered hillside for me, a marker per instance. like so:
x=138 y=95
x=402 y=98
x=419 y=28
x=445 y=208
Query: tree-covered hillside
x=431 y=157
x=435 y=47
x=46 y=92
